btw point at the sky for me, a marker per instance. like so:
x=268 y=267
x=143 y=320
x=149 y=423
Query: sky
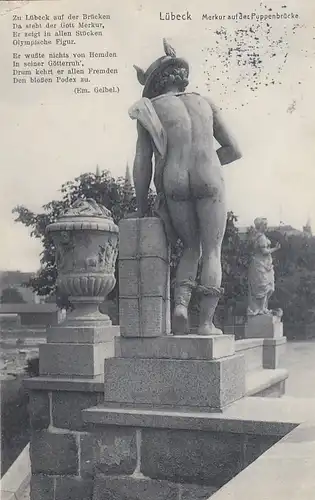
x=260 y=73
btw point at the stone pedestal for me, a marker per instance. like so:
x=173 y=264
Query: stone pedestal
x=77 y=351
x=152 y=368
x=264 y=326
x=86 y=241
x=191 y=372
x=273 y=352
x=144 y=282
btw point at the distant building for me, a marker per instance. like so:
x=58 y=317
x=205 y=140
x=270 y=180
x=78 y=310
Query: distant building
x=34 y=315
x=17 y=280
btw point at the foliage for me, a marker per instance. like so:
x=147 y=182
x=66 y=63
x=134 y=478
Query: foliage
x=235 y=262
x=295 y=277
x=11 y=295
x=32 y=367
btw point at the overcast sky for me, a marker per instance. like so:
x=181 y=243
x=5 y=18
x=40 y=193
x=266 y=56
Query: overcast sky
x=49 y=135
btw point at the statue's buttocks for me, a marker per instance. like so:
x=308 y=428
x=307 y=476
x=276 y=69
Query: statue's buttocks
x=192 y=168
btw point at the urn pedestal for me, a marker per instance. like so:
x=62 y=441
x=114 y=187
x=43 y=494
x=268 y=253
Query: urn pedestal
x=86 y=242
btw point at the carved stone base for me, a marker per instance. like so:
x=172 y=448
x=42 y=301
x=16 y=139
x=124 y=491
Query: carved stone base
x=264 y=326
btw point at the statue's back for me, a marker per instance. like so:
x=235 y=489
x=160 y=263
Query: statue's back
x=192 y=165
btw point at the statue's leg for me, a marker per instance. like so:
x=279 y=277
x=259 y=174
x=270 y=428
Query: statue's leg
x=212 y=222
x=184 y=219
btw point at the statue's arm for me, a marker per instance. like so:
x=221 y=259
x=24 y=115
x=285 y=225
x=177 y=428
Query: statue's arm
x=229 y=150
x=142 y=169
x=265 y=247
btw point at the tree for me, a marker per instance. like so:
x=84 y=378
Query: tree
x=11 y=295
x=295 y=278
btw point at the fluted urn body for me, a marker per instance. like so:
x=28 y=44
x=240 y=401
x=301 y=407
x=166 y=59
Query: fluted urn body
x=86 y=243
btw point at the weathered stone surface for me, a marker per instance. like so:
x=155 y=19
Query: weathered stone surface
x=206 y=458
x=129 y=278
x=42 y=487
x=246 y=416
x=147 y=276
x=145 y=317
x=253 y=353
x=110 y=450
x=196 y=492
x=80 y=360
x=152 y=316
x=276 y=390
x=65 y=384
x=127 y=488
x=143 y=236
x=143 y=278
x=86 y=242
x=176 y=347
x=232 y=379
x=154 y=277
x=254 y=446
x=81 y=335
x=39 y=410
x=68 y=488
x=67 y=407
x=262 y=382
x=129 y=317
x=53 y=453
x=263 y=326
x=173 y=382
x=273 y=351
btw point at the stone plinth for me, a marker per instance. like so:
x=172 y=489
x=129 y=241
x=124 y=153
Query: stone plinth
x=264 y=326
x=176 y=383
x=144 y=283
x=192 y=372
x=77 y=351
x=86 y=241
x=176 y=347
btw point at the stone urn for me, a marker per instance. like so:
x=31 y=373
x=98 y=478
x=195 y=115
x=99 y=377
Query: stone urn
x=86 y=242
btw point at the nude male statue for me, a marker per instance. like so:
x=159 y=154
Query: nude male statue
x=179 y=129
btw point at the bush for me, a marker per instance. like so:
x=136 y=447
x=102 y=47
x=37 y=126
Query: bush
x=32 y=367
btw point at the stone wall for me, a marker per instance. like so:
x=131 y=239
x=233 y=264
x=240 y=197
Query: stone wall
x=69 y=457
x=60 y=447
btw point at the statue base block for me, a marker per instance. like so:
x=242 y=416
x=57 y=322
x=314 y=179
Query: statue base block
x=181 y=384
x=144 y=278
x=263 y=326
x=77 y=352
x=176 y=347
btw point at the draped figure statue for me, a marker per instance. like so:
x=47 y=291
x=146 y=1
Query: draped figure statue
x=261 y=278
